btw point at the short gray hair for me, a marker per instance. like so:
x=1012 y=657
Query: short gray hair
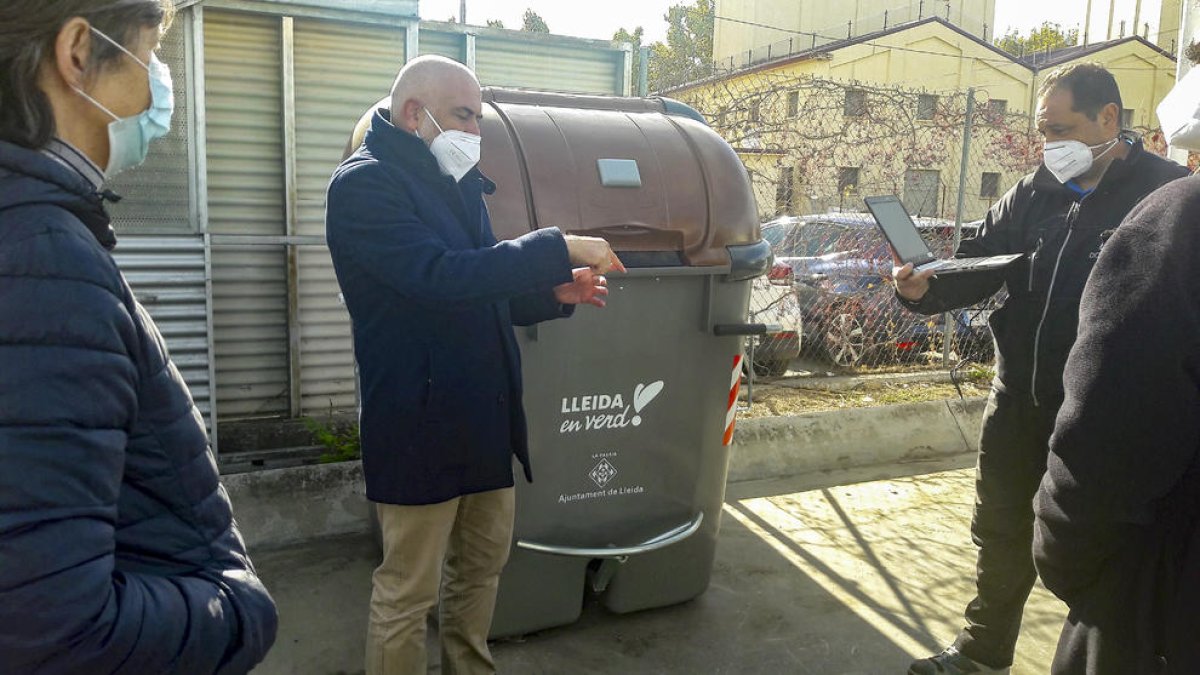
x=28 y=31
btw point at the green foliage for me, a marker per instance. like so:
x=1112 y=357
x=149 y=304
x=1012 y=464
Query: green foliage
x=495 y=23
x=687 y=54
x=534 y=23
x=1047 y=36
x=979 y=373
x=340 y=439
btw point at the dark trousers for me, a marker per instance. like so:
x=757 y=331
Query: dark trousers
x=1013 y=447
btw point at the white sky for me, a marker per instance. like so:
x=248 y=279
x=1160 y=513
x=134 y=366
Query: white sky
x=1026 y=14
x=599 y=19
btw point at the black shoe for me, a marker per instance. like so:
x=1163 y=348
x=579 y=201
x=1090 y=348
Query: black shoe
x=952 y=662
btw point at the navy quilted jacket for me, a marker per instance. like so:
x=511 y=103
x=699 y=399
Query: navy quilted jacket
x=118 y=550
x=433 y=299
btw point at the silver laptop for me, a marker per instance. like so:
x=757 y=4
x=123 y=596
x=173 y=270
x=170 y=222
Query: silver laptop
x=901 y=232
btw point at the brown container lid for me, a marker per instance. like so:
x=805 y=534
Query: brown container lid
x=639 y=172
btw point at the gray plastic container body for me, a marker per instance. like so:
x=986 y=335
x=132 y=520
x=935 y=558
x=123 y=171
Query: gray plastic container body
x=627 y=410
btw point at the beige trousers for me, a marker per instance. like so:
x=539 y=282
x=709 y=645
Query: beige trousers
x=458 y=546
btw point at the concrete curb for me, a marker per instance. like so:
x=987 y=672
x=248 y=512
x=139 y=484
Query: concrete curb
x=851 y=382
x=773 y=447
x=284 y=506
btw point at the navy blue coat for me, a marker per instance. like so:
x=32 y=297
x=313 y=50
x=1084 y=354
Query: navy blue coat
x=118 y=550
x=432 y=300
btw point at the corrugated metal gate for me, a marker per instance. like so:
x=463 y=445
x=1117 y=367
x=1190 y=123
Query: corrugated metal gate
x=334 y=85
x=246 y=197
x=167 y=276
x=529 y=64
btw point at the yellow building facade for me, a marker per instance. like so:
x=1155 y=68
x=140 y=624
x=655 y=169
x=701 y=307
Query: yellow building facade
x=886 y=113
x=1168 y=25
x=749 y=26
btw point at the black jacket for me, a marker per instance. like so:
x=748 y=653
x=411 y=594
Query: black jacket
x=1117 y=533
x=118 y=550
x=1061 y=234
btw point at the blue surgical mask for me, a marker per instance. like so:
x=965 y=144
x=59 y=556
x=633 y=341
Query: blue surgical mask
x=129 y=138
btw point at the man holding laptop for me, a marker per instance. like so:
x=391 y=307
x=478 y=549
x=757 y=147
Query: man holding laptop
x=1054 y=221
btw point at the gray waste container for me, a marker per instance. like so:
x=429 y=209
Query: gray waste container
x=630 y=408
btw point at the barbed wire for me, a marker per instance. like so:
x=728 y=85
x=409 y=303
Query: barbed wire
x=842 y=41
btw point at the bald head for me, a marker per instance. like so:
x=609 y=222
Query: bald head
x=447 y=89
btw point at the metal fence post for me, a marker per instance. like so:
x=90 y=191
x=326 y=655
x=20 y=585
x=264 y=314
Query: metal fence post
x=947 y=318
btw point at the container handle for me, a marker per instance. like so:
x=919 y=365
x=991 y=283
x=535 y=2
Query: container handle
x=722 y=329
x=671 y=536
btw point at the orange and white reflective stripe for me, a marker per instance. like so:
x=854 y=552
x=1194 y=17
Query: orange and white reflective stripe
x=735 y=384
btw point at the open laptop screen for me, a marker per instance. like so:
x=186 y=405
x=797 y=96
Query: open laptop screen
x=900 y=230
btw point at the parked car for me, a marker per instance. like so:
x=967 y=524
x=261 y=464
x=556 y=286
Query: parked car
x=841 y=268
x=773 y=301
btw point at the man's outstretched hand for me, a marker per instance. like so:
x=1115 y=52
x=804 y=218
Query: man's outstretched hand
x=910 y=284
x=593 y=252
x=587 y=288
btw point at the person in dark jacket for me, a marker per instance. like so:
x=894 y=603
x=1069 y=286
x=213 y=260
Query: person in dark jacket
x=1059 y=216
x=432 y=299
x=118 y=549
x=1117 y=534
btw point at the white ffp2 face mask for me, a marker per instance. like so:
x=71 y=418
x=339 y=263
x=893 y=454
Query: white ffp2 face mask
x=1071 y=159
x=456 y=151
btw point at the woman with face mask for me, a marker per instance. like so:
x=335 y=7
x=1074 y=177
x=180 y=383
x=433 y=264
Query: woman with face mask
x=118 y=550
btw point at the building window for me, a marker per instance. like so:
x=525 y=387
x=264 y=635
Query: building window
x=996 y=109
x=856 y=103
x=1126 y=118
x=847 y=179
x=785 y=191
x=989 y=185
x=755 y=116
x=926 y=106
x=921 y=191
x=793 y=103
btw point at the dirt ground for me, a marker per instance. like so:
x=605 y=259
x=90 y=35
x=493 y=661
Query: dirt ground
x=771 y=399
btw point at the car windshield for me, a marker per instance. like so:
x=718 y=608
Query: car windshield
x=774 y=234
x=810 y=239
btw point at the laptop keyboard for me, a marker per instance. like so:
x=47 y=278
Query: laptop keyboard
x=958 y=264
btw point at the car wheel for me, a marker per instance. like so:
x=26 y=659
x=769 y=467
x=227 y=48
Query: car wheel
x=771 y=368
x=845 y=339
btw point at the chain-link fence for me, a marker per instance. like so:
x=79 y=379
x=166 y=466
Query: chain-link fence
x=814 y=148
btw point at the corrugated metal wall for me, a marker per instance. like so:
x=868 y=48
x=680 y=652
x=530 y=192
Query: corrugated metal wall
x=246 y=196
x=450 y=45
x=167 y=276
x=334 y=85
x=527 y=64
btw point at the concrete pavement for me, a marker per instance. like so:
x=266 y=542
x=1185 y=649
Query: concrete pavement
x=839 y=572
